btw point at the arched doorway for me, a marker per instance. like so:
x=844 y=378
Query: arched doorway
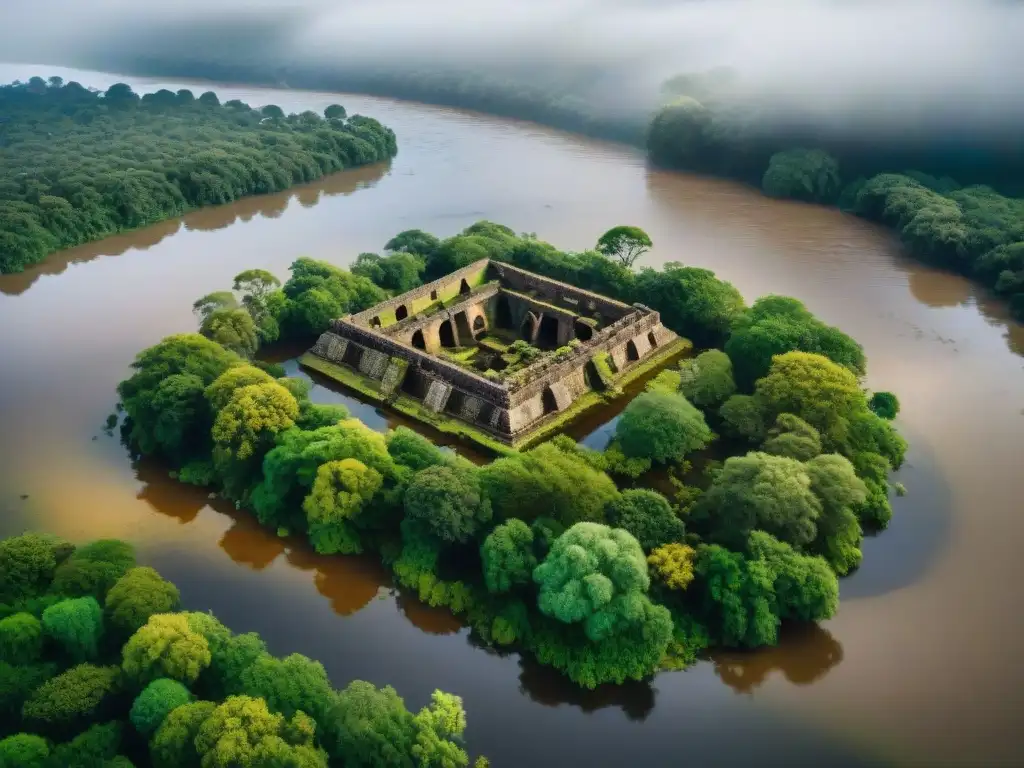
x=418 y=341
x=447 y=334
x=503 y=313
x=375 y=322
x=479 y=327
x=652 y=339
x=464 y=287
x=632 y=353
x=548 y=401
x=462 y=326
x=583 y=331
x=547 y=337
x=401 y=312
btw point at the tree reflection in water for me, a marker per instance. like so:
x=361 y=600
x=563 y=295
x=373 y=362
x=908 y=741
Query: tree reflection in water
x=805 y=654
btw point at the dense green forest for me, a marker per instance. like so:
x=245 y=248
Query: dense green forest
x=778 y=461
x=99 y=668
x=77 y=165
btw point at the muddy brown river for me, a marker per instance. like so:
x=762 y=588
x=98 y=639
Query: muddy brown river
x=920 y=666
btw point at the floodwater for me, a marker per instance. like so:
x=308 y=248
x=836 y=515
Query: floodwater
x=920 y=666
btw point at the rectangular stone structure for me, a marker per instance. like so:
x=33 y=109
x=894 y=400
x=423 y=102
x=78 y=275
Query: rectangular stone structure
x=406 y=331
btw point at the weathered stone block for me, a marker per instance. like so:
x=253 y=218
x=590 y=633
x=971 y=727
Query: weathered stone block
x=437 y=395
x=373 y=364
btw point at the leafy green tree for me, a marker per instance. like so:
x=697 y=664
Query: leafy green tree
x=811 y=387
x=661 y=426
x=24 y=750
x=245 y=428
x=414 y=241
x=156 y=702
x=792 y=437
x=166 y=647
x=76 y=625
x=242 y=732
x=672 y=565
x=682 y=135
x=508 y=556
x=646 y=515
x=17 y=683
x=206 y=305
x=21 y=639
x=691 y=301
x=437 y=728
x=136 y=596
x=411 y=450
x=770 y=493
x=834 y=481
x=706 y=380
x=173 y=744
x=68 y=702
x=626 y=244
x=230 y=655
x=884 y=404
x=290 y=685
x=27 y=564
x=547 y=482
x=743 y=417
x=94 y=568
x=448 y=501
x=98 y=745
x=737 y=597
x=340 y=494
x=233 y=329
x=803 y=174
x=220 y=392
x=371 y=727
x=335 y=112
x=805 y=587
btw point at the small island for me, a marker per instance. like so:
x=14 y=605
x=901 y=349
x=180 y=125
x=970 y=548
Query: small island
x=735 y=491
x=78 y=165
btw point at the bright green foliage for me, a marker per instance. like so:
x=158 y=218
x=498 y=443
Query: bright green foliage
x=21 y=639
x=316 y=293
x=663 y=427
x=96 y=746
x=547 y=482
x=66 y=703
x=256 y=285
x=371 y=727
x=812 y=387
x=290 y=468
x=706 y=380
x=792 y=437
x=399 y=272
x=508 y=556
x=743 y=418
x=233 y=329
x=884 y=404
x=340 y=494
x=173 y=744
x=230 y=655
x=835 y=483
x=27 y=564
x=647 y=516
x=414 y=241
x=626 y=244
x=672 y=565
x=114 y=162
x=312 y=416
x=94 y=568
x=771 y=493
x=692 y=302
x=873 y=469
x=166 y=647
x=666 y=381
x=243 y=733
x=779 y=324
x=803 y=174
x=220 y=392
x=410 y=449
x=157 y=700
x=136 y=596
x=252 y=417
x=595 y=575
x=867 y=432
x=448 y=502
x=290 y=684
x=76 y=626
x=164 y=397
x=738 y=597
x=436 y=727
x=24 y=750
x=805 y=587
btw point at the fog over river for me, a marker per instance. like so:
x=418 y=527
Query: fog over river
x=921 y=665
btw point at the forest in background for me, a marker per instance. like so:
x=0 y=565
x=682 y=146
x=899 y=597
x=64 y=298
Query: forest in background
x=77 y=165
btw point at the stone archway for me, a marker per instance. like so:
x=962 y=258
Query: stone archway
x=583 y=331
x=632 y=353
x=401 y=312
x=652 y=339
x=528 y=329
x=464 y=287
x=548 y=401
x=547 y=335
x=447 y=334
x=418 y=340
x=465 y=333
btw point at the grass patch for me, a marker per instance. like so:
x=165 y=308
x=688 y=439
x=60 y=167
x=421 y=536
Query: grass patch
x=403 y=404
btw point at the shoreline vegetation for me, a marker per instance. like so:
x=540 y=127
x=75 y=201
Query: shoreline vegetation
x=78 y=165
x=100 y=668
x=948 y=197
x=777 y=459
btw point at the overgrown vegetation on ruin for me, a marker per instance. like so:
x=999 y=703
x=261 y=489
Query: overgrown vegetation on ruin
x=99 y=668
x=559 y=551
x=78 y=165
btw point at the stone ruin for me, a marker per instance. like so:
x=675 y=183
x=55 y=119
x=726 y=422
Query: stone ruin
x=397 y=345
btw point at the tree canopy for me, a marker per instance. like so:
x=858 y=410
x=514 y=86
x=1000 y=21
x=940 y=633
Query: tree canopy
x=625 y=244
x=661 y=426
